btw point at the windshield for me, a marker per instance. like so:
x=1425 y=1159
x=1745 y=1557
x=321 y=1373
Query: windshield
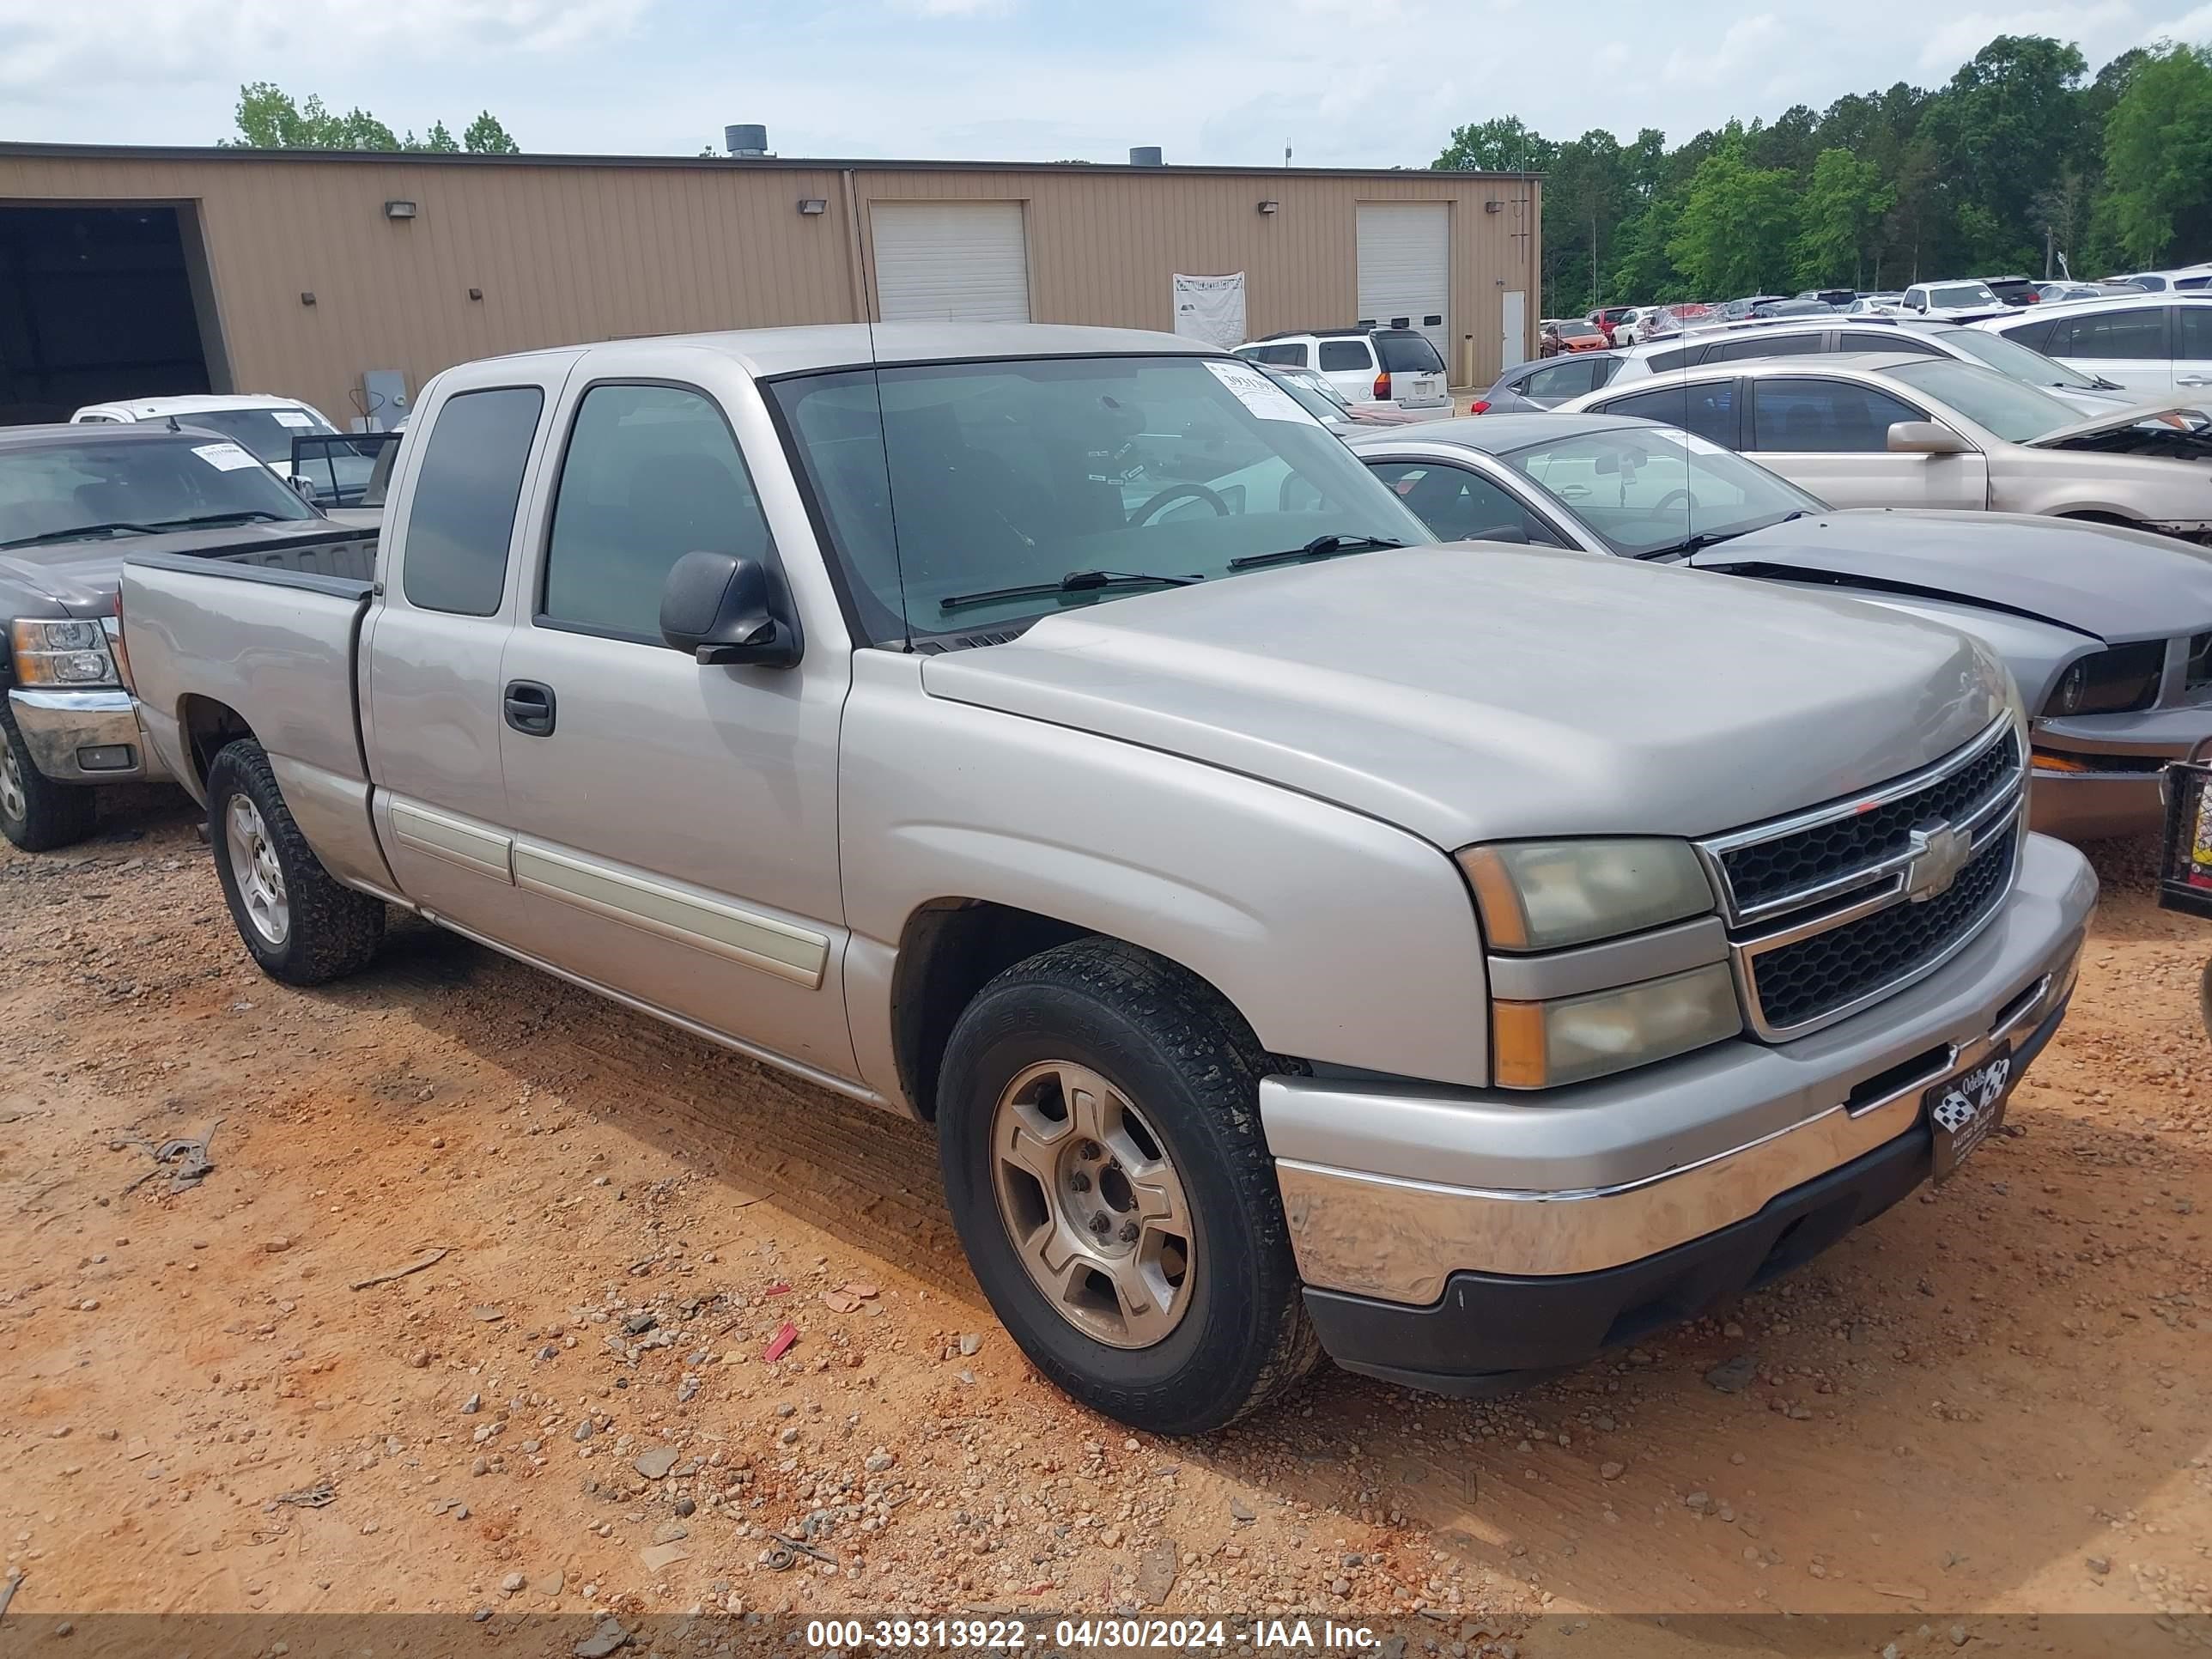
x=1962 y=294
x=2004 y=405
x=155 y=482
x=267 y=432
x=1644 y=489
x=2011 y=357
x=939 y=482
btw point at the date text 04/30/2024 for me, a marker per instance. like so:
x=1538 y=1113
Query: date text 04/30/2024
x=1077 y=1635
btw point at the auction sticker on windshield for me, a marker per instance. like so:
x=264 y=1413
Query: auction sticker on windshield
x=292 y=417
x=1258 y=393
x=224 y=458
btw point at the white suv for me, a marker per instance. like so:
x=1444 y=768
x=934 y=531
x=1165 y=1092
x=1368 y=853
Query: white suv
x=1396 y=366
x=1922 y=337
x=2154 y=344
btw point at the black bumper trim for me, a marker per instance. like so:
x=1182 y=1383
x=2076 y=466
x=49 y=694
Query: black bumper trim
x=1490 y=1333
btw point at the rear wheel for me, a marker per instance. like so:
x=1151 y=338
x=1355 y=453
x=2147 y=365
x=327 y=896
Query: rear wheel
x=1099 y=1127
x=300 y=925
x=36 y=813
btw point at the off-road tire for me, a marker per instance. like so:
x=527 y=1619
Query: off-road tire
x=334 y=930
x=1187 y=1061
x=53 y=814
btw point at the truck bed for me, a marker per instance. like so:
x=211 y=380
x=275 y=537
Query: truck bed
x=269 y=640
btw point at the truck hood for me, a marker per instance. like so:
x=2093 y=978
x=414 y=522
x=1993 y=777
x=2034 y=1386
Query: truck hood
x=2178 y=415
x=82 y=577
x=1472 y=692
x=2104 y=579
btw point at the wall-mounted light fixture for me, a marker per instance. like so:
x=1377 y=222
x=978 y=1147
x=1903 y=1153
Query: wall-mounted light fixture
x=1492 y=205
x=476 y=294
x=307 y=297
x=811 y=205
x=399 y=209
x=1270 y=207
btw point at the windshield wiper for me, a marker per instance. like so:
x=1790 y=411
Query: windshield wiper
x=251 y=515
x=1705 y=538
x=77 y=532
x=1320 y=547
x=1075 y=581
x=2099 y=383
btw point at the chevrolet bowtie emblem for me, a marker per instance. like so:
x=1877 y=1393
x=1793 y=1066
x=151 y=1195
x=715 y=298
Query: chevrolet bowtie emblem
x=1939 y=853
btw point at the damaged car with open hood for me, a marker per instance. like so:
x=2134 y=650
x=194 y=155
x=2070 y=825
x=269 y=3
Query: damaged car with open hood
x=2107 y=630
x=1898 y=431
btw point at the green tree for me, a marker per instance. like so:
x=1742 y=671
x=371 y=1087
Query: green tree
x=1841 y=206
x=269 y=118
x=485 y=137
x=1501 y=144
x=2158 y=155
x=1733 y=234
x=2005 y=127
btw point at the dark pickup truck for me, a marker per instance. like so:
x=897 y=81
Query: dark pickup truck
x=73 y=500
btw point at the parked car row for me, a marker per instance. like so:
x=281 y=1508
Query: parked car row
x=1061 y=737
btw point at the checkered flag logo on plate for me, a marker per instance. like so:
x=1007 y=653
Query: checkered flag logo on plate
x=1955 y=1111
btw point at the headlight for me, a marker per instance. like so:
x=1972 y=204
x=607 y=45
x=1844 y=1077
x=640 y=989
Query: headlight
x=1542 y=1045
x=2110 y=682
x=61 y=653
x=1540 y=894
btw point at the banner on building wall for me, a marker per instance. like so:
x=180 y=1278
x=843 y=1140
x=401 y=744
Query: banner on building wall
x=1211 y=308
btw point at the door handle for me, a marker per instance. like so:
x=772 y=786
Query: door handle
x=2192 y=380
x=529 y=707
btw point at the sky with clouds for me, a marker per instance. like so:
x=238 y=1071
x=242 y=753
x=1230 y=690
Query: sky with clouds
x=1344 y=82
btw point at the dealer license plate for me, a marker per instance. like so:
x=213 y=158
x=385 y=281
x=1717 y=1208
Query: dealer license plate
x=1964 y=1108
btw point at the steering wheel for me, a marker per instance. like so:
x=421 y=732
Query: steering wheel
x=1197 y=492
x=1676 y=498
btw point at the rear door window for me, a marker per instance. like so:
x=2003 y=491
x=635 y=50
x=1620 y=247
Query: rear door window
x=1897 y=340
x=1708 y=409
x=1291 y=356
x=1460 y=506
x=2195 y=327
x=1781 y=345
x=1566 y=379
x=2138 y=331
x=1344 y=356
x=462 y=515
x=1824 y=417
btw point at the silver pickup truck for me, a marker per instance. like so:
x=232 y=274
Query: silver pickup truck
x=1301 y=942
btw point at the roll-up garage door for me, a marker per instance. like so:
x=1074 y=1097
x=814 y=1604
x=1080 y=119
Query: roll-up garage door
x=950 y=262
x=1405 y=267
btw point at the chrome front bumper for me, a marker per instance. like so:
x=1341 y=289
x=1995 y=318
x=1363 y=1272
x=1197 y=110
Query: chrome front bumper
x=1391 y=1189
x=84 y=737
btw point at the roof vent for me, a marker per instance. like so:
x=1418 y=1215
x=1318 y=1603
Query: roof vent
x=1145 y=156
x=746 y=138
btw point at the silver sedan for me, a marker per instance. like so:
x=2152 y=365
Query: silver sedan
x=1908 y=431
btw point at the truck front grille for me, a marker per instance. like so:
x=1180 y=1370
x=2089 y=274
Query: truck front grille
x=1767 y=871
x=1796 y=983
x=1831 y=910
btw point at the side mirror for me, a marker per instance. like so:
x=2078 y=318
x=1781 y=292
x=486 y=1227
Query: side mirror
x=1925 y=438
x=717 y=606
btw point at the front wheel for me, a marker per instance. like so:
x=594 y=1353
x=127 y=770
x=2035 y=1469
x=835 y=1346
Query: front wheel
x=37 y=813
x=1099 y=1127
x=299 y=924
